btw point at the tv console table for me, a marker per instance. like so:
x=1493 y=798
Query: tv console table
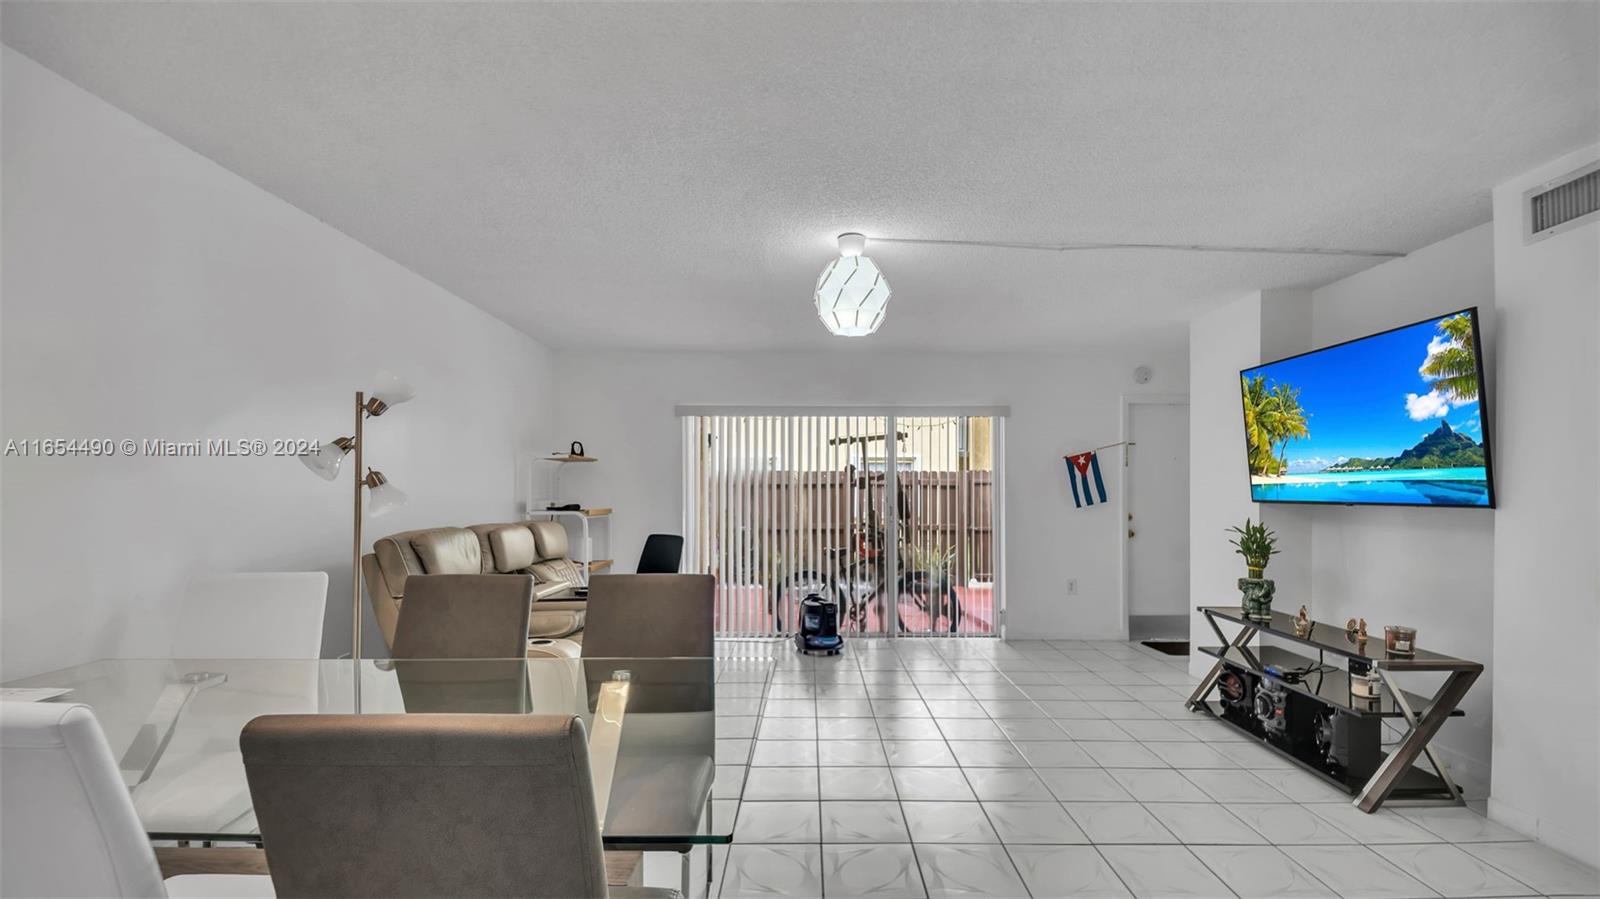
x=1322 y=693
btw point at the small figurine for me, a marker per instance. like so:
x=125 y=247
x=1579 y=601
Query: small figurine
x=1356 y=631
x=1302 y=623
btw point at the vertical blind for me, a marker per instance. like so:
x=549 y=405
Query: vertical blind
x=890 y=517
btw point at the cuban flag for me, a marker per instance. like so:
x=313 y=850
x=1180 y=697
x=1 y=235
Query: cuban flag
x=1080 y=469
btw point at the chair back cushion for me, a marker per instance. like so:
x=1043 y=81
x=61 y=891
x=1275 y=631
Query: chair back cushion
x=464 y=616
x=398 y=557
x=649 y=615
x=512 y=547
x=67 y=826
x=266 y=615
x=449 y=551
x=551 y=539
x=400 y=805
x=663 y=554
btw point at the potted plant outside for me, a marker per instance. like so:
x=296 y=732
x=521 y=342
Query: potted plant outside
x=1258 y=545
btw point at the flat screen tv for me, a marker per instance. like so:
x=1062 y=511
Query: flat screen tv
x=1394 y=419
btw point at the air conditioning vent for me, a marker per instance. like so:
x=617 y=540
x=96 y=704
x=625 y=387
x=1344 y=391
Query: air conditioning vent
x=1565 y=203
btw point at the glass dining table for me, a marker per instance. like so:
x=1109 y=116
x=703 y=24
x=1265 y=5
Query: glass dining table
x=174 y=726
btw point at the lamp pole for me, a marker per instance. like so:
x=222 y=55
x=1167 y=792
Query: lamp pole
x=355 y=545
x=326 y=460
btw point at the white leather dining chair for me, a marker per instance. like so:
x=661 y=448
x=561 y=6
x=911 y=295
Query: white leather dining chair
x=252 y=615
x=68 y=827
x=199 y=785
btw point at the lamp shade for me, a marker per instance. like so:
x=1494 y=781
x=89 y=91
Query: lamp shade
x=852 y=296
x=325 y=459
x=390 y=390
x=385 y=498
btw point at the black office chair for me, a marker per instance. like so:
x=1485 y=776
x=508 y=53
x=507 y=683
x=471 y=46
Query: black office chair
x=663 y=554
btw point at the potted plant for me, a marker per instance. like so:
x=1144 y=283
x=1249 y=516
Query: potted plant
x=1258 y=545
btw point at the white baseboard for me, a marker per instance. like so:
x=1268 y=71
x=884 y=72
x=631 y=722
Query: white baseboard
x=1471 y=774
x=1514 y=818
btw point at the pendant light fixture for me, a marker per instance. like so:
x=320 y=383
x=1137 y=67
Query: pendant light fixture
x=852 y=295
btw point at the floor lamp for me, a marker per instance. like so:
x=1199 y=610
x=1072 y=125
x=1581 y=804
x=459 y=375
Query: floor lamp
x=326 y=460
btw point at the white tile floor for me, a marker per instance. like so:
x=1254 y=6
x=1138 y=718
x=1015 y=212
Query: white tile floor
x=986 y=769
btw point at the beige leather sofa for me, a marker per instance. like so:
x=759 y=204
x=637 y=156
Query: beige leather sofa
x=538 y=548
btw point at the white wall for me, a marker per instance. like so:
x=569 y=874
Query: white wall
x=150 y=293
x=1547 y=604
x=1517 y=588
x=1221 y=343
x=1286 y=330
x=1432 y=569
x=1344 y=562
x=621 y=405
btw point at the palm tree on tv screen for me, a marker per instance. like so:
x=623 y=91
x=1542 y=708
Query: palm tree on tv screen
x=1272 y=417
x=1453 y=367
x=1289 y=421
x=1258 y=438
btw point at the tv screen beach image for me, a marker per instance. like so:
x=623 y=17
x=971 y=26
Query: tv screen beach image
x=1391 y=419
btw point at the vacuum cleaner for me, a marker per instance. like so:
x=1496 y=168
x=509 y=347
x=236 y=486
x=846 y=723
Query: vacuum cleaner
x=819 y=627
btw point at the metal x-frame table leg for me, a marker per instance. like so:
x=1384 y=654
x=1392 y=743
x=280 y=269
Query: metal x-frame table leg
x=1417 y=739
x=1209 y=682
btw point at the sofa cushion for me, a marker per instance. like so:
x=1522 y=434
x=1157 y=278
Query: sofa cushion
x=398 y=560
x=448 y=551
x=512 y=548
x=550 y=537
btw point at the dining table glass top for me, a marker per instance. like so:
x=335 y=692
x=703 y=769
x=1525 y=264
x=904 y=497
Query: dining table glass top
x=173 y=725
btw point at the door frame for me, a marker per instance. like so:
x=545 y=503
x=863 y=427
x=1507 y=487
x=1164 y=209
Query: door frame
x=1129 y=400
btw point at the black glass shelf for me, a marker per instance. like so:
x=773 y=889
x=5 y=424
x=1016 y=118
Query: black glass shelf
x=1416 y=784
x=1330 y=687
x=1335 y=639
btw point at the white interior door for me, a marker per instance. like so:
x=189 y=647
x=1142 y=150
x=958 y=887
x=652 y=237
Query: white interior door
x=1158 y=509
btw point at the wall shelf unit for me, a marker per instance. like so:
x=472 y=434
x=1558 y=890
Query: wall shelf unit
x=584 y=541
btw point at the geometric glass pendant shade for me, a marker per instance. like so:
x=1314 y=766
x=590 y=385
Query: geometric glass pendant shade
x=852 y=295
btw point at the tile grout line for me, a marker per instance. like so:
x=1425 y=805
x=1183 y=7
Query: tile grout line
x=900 y=674
x=899 y=801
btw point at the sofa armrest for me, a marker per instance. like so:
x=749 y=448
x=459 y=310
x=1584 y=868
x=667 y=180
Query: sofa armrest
x=551 y=588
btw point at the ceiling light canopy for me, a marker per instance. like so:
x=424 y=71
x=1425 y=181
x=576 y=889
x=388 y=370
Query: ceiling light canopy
x=852 y=295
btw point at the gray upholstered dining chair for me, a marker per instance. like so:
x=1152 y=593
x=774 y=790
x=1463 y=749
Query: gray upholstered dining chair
x=650 y=615
x=464 y=616
x=394 y=805
x=647 y=618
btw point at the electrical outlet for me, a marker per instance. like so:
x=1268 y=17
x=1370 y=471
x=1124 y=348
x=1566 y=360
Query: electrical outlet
x=1072 y=586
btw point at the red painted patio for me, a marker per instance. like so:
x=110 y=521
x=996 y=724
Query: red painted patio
x=746 y=611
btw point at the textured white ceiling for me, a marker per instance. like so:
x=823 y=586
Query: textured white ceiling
x=671 y=175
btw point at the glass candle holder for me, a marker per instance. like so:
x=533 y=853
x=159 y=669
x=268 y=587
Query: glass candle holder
x=1400 y=641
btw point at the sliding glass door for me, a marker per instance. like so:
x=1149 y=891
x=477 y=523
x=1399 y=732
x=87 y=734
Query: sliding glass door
x=891 y=517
